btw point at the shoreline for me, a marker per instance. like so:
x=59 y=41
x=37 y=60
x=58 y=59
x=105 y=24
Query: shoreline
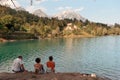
x=49 y=76
x=3 y=40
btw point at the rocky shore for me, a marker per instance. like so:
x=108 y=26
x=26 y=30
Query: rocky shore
x=49 y=76
x=2 y=40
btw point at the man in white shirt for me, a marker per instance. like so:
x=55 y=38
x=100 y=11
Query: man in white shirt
x=18 y=65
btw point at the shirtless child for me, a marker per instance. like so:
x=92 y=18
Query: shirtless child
x=38 y=66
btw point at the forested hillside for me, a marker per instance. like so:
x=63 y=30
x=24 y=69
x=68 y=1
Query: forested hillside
x=14 y=23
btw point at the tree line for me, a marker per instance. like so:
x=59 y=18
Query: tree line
x=19 y=22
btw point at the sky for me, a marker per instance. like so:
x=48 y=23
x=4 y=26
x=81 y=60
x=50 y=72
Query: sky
x=103 y=11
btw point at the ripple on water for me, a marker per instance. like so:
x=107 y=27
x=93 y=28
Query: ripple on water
x=87 y=55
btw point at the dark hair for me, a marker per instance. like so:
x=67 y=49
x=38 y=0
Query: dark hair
x=50 y=58
x=20 y=57
x=37 y=60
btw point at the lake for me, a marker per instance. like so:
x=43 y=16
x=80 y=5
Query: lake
x=100 y=55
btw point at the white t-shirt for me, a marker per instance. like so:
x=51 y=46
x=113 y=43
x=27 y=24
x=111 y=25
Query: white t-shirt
x=17 y=64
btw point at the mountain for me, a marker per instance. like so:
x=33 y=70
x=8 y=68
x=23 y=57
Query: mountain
x=69 y=14
x=20 y=9
x=40 y=13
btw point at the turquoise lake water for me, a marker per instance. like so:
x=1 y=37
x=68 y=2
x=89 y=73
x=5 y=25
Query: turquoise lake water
x=100 y=55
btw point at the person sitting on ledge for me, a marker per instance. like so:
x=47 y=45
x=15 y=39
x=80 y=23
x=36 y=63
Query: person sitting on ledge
x=17 y=65
x=50 y=65
x=38 y=67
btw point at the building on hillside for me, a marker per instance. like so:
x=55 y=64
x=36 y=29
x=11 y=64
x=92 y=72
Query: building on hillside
x=71 y=27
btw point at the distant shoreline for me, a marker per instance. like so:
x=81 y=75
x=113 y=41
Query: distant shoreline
x=3 y=40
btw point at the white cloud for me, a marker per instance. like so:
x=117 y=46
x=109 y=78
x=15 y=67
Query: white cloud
x=64 y=8
x=31 y=9
x=35 y=6
x=70 y=8
x=42 y=8
x=79 y=9
x=60 y=8
x=37 y=2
